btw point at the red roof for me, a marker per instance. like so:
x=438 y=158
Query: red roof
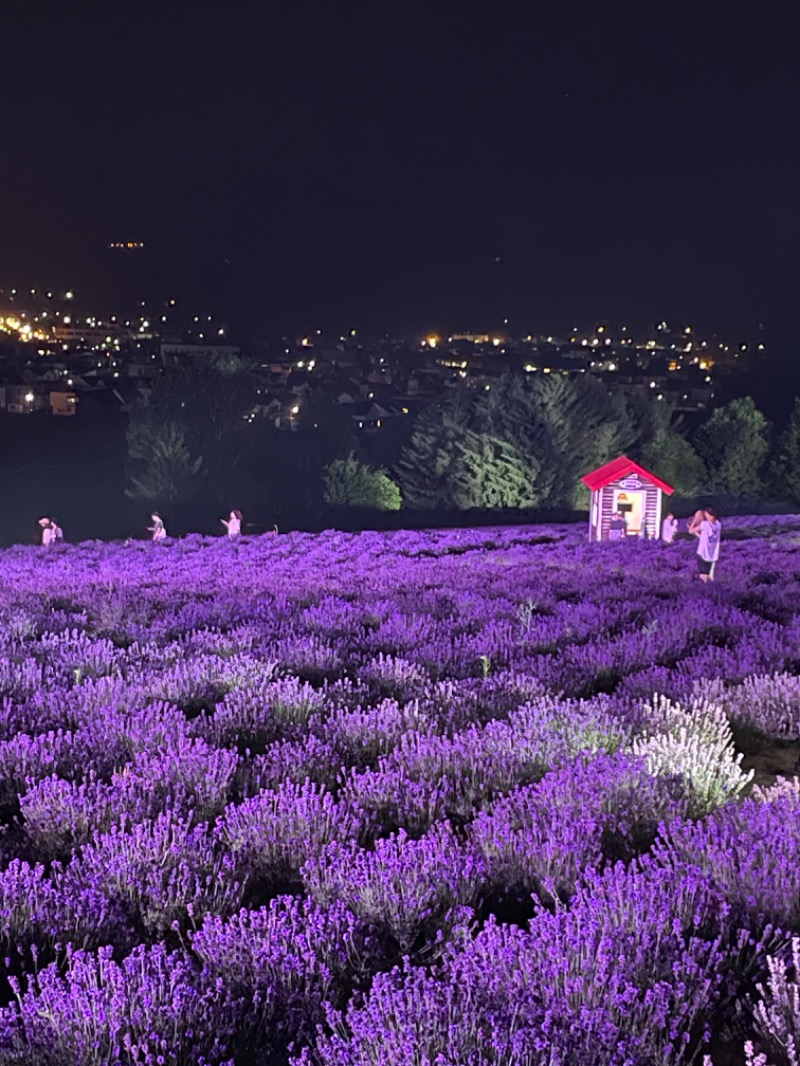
x=619 y=468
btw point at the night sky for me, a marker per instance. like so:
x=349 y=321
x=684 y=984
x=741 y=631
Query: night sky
x=410 y=165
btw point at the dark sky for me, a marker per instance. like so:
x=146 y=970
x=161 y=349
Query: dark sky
x=410 y=165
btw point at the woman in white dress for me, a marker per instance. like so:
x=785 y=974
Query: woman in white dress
x=157 y=528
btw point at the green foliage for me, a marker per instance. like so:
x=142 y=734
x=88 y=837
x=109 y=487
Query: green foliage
x=424 y=466
x=524 y=443
x=649 y=418
x=786 y=466
x=489 y=472
x=671 y=457
x=324 y=433
x=733 y=443
x=581 y=426
x=349 y=483
x=162 y=468
x=454 y=461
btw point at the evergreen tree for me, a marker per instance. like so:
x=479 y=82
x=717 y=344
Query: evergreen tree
x=649 y=419
x=526 y=440
x=671 y=457
x=490 y=473
x=161 y=467
x=424 y=468
x=577 y=426
x=508 y=414
x=786 y=467
x=349 y=483
x=733 y=443
x=201 y=407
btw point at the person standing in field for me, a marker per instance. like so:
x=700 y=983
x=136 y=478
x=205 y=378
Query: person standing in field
x=617 y=527
x=48 y=531
x=669 y=527
x=233 y=524
x=157 y=528
x=709 y=532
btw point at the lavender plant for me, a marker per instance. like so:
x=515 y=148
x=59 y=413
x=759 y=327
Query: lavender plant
x=697 y=744
x=146 y=1009
x=271 y=836
x=777 y=1012
x=282 y=964
x=414 y=891
x=542 y=837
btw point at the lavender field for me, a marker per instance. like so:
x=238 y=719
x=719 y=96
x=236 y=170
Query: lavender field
x=488 y=797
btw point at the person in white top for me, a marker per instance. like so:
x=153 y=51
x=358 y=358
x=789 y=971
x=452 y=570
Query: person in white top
x=669 y=527
x=233 y=524
x=709 y=532
x=157 y=528
x=48 y=531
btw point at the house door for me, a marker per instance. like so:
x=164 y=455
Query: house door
x=631 y=504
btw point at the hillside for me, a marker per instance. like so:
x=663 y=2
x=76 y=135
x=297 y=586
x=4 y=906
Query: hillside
x=495 y=795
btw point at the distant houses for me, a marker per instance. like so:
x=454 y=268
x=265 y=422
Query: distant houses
x=22 y=396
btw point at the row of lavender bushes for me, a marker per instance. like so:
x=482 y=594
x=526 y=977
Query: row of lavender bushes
x=450 y=798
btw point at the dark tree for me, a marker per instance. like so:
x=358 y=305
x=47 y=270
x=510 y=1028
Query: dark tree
x=671 y=457
x=161 y=468
x=785 y=474
x=425 y=466
x=197 y=409
x=733 y=443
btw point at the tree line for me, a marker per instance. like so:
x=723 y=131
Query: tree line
x=523 y=443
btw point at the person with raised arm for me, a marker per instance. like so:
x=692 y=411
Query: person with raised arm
x=233 y=524
x=694 y=522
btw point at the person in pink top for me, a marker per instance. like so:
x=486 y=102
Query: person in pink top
x=157 y=528
x=233 y=524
